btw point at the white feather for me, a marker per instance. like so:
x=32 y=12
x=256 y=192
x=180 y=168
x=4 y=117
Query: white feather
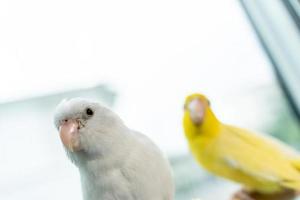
x=117 y=163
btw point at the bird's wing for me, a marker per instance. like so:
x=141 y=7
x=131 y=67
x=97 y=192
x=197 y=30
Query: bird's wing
x=257 y=156
x=266 y=142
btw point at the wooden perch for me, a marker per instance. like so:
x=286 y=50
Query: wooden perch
x=244 y=195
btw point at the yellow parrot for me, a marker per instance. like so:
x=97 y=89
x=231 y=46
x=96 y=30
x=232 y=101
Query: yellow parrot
x=261 y=164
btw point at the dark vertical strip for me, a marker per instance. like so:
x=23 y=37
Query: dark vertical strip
x=280 y=78
x=293 y=12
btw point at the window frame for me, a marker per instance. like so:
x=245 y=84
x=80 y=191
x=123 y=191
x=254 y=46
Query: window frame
x=267 y=27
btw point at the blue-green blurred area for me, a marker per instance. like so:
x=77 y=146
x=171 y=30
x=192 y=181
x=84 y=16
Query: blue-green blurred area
x=140 y=59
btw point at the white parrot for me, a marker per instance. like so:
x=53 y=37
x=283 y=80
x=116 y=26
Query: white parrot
x=115 y=162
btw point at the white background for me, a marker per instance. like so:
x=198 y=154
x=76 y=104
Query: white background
x=153 y=53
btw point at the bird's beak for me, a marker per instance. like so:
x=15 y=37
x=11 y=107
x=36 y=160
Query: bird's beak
x=69 y=135
x=196 y=110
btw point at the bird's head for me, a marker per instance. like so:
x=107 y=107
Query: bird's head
x=83 y=125
x=195 y=108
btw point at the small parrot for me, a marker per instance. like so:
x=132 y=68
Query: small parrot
x=263 y=165
x=115 y=162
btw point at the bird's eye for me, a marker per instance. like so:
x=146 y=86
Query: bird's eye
x=208 y=102
x=89 y=112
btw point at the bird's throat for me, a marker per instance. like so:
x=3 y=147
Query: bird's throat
x=209 y=127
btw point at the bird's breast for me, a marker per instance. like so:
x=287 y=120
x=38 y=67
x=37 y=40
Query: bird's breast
x=205 y=152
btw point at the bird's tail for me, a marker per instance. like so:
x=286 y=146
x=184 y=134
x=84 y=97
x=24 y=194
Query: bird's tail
x=291 y=184
x=296 y=163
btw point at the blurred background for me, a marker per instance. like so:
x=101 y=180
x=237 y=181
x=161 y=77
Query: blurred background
x=141 y=58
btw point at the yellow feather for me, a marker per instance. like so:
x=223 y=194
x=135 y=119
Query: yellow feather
x=260 y=163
